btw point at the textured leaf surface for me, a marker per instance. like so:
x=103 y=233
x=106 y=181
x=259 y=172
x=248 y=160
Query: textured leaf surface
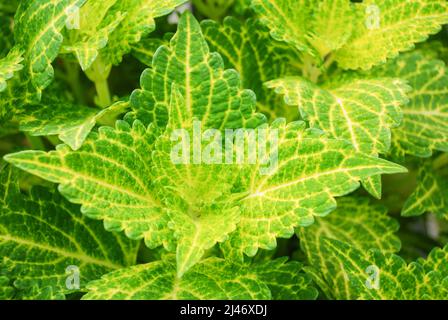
x=126 y=191
x=95 y=26
x=71 y=122
x=385 y=28
x=212 y=278
x=359 y=111
x=312 y=170
x=8 y=65
x=357 y=222
x=354 y=271
x=126 y=175
x=425 y=118
x=43 y=234
x=37 y=32
x=6 y=289
x=287 y=20
x=212 y=94
x=430 y=195
x=139 y=21
x=248 y=48
x=332 y=25
x=146 y=49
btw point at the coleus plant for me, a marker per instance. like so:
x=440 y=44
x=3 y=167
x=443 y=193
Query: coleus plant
x=340 y=91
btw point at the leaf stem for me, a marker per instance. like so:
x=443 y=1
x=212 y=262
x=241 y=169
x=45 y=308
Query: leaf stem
x=102 y=89
x=73 y=80
x=99 y=73
x=310 y=70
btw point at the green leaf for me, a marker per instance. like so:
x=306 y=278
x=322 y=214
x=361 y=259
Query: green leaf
x=373 y=275
x=37 y=32
x=6 y=289
x=71 y=122
x=213 y=278
x=430 y=195
x=385 y=28
x=332 y=25
x=285 y=280
x=436 y=261
x=41 y=235
x=312 y=170
x=147 y=198
x=425 y=117
x=36 y=293
x=288 y=20
x=359 y=111
x=145 y=50
x=310 y=26
x=95 y=26
x=248 y=48
x=212 y=94
x=355 y=221
x=139 y=22
x=126 y=176
x=8 y=65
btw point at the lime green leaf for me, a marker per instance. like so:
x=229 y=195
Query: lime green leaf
x=425 y=117
x=8 y=65
x=285 y=280
x=248 y=48
x=359 y=111
x=431 y=194
x=436 y=261
x=95 y=26
x=195 y=205
x=146 y=48
x=145 y=194
x=373 y=275
x=332 y=25
x=139 y=22
x=118 y=190
x=212 y=94
x=37 y=32
x=212 y=278
x=288 y=20
x=387 y=27
x=312 y=170
x=71 y=122
x=311 y=26
x=42 y=235
x=355 y=221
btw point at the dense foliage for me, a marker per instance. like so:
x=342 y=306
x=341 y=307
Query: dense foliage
x=349 y=199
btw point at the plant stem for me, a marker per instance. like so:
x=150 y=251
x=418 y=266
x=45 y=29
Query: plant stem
x=102 y=89
x=310 y=70
x=98 y=73
x=328 y=61
x=73 y=80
